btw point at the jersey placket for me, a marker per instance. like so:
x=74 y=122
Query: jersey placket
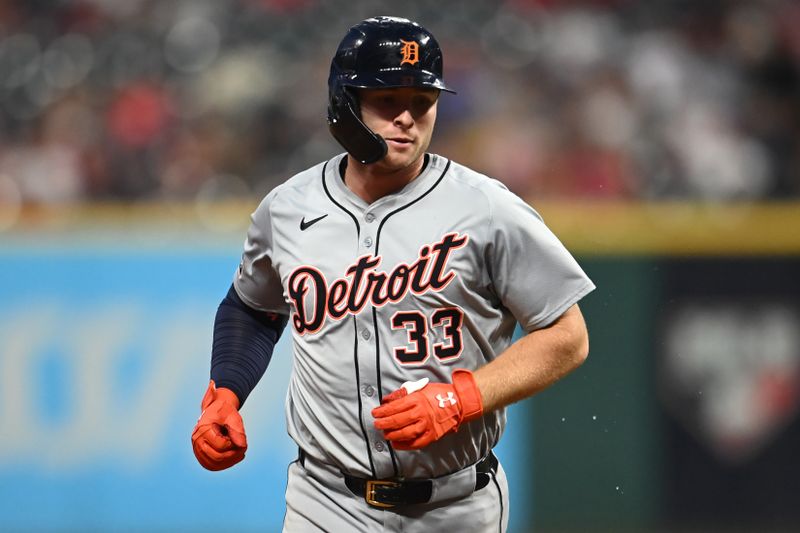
x=368 y=354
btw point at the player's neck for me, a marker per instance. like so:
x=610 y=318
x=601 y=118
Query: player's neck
x=373 y=182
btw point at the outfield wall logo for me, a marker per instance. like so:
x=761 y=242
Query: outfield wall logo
x=730 y=372
x=104 y=357
x=69 y=394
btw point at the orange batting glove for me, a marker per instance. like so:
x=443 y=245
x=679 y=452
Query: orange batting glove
x=218 y=438
x=420 y=413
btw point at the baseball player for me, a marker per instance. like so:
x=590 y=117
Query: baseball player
x=402 y=276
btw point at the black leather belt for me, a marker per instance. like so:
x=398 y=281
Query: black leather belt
x=387 y=493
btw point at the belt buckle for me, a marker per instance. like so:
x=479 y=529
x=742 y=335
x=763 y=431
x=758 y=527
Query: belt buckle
x=370 y=492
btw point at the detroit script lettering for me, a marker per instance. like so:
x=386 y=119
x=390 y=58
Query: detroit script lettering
x=363 y=284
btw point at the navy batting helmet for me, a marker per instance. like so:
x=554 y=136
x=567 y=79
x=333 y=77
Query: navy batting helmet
x=378 y=53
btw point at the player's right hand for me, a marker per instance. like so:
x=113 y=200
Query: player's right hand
x=218 y=439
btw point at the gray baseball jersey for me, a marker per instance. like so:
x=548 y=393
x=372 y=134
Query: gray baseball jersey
x=419 y=283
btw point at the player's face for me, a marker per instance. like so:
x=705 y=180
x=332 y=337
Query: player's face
x=404 y=118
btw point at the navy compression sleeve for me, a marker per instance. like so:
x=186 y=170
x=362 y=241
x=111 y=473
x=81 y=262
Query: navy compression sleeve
x=243 y=342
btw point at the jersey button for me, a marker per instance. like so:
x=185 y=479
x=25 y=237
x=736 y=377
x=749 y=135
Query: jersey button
x=365 y=333
x=369 y=217
x=369 y=391
x=379 y=446
x=368 y=242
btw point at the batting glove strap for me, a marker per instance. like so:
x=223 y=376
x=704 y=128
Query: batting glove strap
x=227 y=396
x=468 y=393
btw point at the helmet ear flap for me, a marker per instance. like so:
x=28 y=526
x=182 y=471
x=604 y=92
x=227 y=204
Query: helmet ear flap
x=346 y=126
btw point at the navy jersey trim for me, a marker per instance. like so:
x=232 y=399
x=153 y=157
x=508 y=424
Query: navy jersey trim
x=355 y=332
x=337 y=204
x=378 y=382
x=358 y=394
x=374 y=310
x=409 y=204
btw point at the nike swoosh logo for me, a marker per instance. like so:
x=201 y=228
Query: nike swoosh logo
x=305 y=225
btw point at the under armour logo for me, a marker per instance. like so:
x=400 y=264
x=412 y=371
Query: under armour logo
x=443 y=401
x=410 y=52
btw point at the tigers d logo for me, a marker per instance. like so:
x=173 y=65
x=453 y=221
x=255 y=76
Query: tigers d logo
x=410 y=51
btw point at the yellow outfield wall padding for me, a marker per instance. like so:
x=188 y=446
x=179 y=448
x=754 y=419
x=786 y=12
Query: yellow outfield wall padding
x=587 y=228
x=675 y=228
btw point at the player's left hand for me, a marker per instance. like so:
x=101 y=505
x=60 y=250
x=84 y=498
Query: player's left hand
x=420 y=413
x=218 y=439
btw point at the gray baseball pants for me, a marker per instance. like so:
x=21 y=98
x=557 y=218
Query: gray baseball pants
x=317 y=499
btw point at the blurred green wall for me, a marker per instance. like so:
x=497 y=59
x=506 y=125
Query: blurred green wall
x=600 y=453
x=595 y=444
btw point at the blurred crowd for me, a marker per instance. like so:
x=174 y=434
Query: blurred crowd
x=206 y=99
